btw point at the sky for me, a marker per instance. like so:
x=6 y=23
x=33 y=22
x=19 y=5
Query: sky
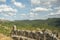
x=29 y=9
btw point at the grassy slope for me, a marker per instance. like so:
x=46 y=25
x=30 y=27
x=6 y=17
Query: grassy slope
x=6 y=26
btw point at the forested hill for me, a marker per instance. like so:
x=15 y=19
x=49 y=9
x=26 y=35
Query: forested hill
x=35 y=23
x=54 y=21
x=51 y=23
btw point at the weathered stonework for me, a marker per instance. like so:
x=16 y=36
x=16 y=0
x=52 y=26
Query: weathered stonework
x=33 y=35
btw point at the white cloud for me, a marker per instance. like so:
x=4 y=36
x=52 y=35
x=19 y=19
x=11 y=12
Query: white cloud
x=30 y=16
x=56 y=3
x=51 y=14
x=56 y=13
x=39 y=9
x=18 y=4
x=45 y=3
x=5 y=9
x=3 y=18
x=3 y=1
x=35 y=2
x=57 y=8
x=11 y=14
x=12 y=1
x=33 y=14
x=23 y=14
x=51 y=3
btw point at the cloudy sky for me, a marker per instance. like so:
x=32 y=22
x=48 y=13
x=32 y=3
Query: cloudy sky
x=29 y=9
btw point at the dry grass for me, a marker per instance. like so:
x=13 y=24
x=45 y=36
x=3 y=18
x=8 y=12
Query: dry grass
x=3 y=37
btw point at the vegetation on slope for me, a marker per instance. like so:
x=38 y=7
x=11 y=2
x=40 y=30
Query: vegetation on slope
x=52 y=24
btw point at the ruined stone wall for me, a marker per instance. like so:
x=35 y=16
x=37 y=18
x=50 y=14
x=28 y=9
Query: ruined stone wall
x=33 y=35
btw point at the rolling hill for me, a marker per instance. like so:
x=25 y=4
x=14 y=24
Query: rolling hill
x=51 y=23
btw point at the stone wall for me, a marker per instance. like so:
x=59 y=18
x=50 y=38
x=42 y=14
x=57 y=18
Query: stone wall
x=34 y=35
x=30 y=35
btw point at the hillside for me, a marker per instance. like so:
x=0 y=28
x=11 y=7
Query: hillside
x=51 y=23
